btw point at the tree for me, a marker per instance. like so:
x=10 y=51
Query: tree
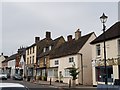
x=74 y=72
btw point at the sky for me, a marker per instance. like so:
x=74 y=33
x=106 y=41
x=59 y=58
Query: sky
x=22 y=21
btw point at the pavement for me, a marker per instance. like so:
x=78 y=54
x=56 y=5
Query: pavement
x=60 y=85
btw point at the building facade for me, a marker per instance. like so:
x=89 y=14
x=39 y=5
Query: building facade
x=30 y=61
x=2 y=58
x=76 y=51
x=47 y=46
x=112 y=43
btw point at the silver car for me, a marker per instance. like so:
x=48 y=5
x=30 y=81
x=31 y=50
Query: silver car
x=3 y=76
x=12 y=86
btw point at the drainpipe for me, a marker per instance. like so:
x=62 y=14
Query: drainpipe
x=81 y=55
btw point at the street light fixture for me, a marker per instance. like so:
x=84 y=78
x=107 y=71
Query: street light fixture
x=103 y=19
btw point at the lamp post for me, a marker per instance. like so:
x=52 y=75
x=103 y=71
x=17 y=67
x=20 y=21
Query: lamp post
x=103 y=19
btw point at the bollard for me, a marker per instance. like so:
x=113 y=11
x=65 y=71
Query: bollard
x=69 y=83
x=50 y=81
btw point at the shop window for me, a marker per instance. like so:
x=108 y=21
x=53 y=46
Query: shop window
x=100 y=73
x=50 y=72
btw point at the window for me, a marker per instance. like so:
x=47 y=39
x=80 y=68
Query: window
x=28 y=52
x=100 y=73
x=44 y=50
x=71 y=59
x=44 y=61
x=27 y=60
x=56 y=62
x=50 y=47
x=30 y=60
x=43 y=72
x=98 y=50
x=67 y=74
x=14 y=88
x=119 y=47
x=38 y=63
x=47 y=48
x=56 y=72
x=50 y=72
x=33 y=59
x=33 y=49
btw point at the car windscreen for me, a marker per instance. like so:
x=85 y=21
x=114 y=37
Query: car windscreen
x=13 y=88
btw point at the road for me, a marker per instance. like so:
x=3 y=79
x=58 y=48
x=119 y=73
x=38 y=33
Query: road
x=33 y=86
x=30 y=85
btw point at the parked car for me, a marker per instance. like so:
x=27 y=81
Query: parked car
x=17 y=77
x=8 y=75
x=12 y=86
x=3 y=76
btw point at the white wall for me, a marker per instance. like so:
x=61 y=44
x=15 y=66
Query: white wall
x=87 y=61
x=31 y=55
x=11 y=64
x=86 y=52
x=63 y=64
x=111 y=52
x=2 y=58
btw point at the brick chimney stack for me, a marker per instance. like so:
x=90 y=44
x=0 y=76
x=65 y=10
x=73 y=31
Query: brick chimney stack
x=37 y=39
x=69 y=37
x=2 y=54
x=77 y=34
x=48 y=35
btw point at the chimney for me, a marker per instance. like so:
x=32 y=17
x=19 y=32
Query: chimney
x=48 y=35
x=77 y=34
x=37 y=39
x=2 y=54
x=69 y=37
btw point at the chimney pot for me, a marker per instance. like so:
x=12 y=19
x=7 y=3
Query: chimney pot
x=37 y=39
x=77 y=34
x=48 y=35
x=1 y=53
x=69 y=37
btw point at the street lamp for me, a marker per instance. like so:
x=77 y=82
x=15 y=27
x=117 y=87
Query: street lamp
x=103 y=19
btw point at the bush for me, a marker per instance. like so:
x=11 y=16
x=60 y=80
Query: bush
x=57 y=81
x=61 y=81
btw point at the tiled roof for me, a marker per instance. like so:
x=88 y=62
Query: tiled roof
x=71 y=47
x=10 y=58
x=46 y=43
x=112 y=33
x=31 y=45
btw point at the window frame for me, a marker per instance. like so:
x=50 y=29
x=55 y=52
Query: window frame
x=56 y=62
x=71 y=59
x=98 y=50
x=118 y=43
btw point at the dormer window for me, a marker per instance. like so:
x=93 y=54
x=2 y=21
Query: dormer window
x=44 y=49
x=47 y=48
x=50 y=47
